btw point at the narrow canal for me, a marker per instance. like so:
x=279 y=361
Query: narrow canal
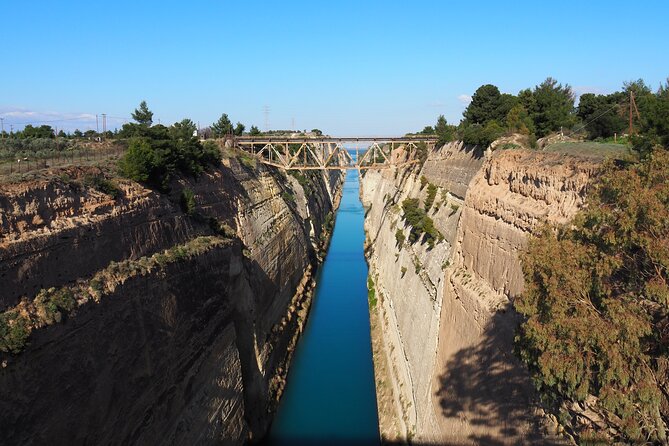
x=329 y=397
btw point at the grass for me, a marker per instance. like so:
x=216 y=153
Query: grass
x=590 y=149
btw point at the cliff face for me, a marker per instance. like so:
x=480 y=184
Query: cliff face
x=443 y=326
x=183 y=325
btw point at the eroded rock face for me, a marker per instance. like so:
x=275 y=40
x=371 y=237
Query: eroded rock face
x=193 y=352
x=443 y=325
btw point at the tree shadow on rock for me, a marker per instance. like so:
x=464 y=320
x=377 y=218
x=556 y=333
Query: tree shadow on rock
x=487 y=388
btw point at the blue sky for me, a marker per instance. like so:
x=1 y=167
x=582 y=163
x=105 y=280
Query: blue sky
x=346 y=67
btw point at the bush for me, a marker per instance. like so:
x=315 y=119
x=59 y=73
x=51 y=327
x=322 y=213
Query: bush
x=596 y=302
x=13 y=332
x=102 y=184
x=187 y=202
x=371 y=293
x=247 y=160
x=421 y=224
x=431 y=195
x=400 y=237
x=288 y=197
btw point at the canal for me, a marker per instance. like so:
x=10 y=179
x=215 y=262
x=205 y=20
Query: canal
x=329 y=397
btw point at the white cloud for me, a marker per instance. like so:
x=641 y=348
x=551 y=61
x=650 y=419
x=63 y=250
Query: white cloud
x=465 y=99
x=583 y=89
x=18 y=118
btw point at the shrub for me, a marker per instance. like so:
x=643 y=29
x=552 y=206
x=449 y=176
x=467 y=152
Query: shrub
x=187 y=202
x=303 y=180
x=403 y=270
x=288 y=197
x=423 y=182
x=400 y=237
x=596 y=319
x=431 y=194
x=102 y=184
x=13 y=332
x=421 y=224
x=371 y=293
x=247 y=160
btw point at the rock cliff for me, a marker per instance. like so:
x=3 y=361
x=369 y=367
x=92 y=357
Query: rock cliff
x=181 y=318
x=442 y=324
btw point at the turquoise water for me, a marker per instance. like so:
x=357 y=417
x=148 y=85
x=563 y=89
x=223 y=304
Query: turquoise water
x=329 y=397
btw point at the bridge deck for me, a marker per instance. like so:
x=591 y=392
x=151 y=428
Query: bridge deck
x=329 y=153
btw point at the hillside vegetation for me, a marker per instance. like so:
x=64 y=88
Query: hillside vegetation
x=596 y=327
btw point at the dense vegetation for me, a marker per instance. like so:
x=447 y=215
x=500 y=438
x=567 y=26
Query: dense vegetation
x=156 y=152
x=596 y=303
x=550 y=107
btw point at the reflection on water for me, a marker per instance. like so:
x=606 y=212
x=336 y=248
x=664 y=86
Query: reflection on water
x=330 y=397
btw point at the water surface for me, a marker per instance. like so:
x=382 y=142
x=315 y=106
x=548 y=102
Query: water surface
x=329 y=396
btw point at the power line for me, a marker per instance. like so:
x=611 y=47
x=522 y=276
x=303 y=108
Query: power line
x=592 y=120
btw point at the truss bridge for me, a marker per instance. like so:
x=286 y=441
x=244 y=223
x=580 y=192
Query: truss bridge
x=314 y=153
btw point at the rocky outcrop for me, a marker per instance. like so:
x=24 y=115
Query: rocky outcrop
x=177 y=346
x=443 y=324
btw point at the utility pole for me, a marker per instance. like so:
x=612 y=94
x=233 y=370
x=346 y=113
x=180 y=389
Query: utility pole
x=104 y=123
x=97 y=126
x=635 y=109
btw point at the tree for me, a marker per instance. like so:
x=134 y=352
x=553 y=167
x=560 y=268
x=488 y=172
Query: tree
x=519 y=121
x=601 y=114
x=477 y=134
x=551 y=106
x=239 y=129
x=138 y=163
x=222 y=127
x=484 y=105
x=596 y=303
x=43 y=131
x=444 y=132
x=428 y=130
x=317 y=132
x=254 y=131
x=183 y=129
x=143 y=115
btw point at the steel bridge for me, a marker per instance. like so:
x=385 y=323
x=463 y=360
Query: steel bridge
x=316 y=153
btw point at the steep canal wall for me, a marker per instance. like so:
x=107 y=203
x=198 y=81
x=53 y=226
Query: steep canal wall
x=133 y=317
x=442 y=322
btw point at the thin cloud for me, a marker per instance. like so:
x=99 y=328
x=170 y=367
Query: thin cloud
x=465 y=99
x=20 y=117
x=583 y=89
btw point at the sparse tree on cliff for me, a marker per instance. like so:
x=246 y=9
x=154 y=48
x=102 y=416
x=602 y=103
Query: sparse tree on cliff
x=239 y=129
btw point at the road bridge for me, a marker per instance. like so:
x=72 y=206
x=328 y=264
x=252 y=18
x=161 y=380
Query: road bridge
x=316 y=153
